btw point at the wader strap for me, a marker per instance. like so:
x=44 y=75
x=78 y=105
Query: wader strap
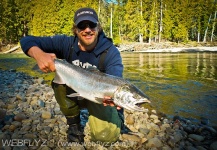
x=69 y=59
x=102 y=60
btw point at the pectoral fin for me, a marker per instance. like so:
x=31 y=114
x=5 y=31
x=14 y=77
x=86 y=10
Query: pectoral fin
x=75 y=95
x=58 y=79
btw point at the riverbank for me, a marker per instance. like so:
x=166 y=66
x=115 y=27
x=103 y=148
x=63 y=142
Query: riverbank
x=144 y=47
x=168 y=47
x=29 y=112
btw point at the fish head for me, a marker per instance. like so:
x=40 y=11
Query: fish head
x=130 y=97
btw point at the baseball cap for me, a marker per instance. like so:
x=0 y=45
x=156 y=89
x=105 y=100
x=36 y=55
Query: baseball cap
x=85 y=14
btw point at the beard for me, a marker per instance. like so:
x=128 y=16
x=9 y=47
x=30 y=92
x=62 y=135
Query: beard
x=88 y=40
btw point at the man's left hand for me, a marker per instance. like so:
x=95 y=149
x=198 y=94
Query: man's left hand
x=107 y=101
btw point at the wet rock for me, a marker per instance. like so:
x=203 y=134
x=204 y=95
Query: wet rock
x=213 y=146
x=200 y=148
x=196 y=137
x=204 y=121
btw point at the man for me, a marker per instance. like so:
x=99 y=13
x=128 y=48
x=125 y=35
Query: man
x=88 y=47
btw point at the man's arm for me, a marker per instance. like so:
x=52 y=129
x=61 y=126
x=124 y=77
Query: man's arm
x=45 y=49
x=113 y=62
x=44 y=60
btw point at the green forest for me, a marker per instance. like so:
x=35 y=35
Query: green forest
x=123 y=20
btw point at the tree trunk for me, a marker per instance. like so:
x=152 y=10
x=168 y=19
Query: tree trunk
x=161 y=20
x=111 y=36
x=99 y=9
x=213 y=27
x=204 y=39
x=198 y=37
x=140 y=32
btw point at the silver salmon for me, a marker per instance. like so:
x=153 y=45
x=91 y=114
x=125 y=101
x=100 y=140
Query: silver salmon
x=95 y=85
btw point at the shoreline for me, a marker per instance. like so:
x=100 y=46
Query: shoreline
x=141 y=48
x=29 y=111
x=178 y=49
x=172 y=50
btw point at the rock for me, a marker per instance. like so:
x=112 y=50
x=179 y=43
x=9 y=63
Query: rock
x=26 y=128
x=47 y=130
x=204 y=121
x=8 y=118
x=165 y=126
x=130 y=119
x=191 y=148
x=30 y=136
x=153 y=116
x=41 y=103
x=11 y=106
x=12 y=128
x=27 y=121
x=144 y=131
x=40 y=81
x=6 y=127
x=213 y=146
x=196 y=137
x=20 y=116
x=177 y=136
x=16 y=123
x=129 y=137
x=2 y=114
x=20 y=97
x=166 y=148
x=46 y=115
x=154 y=143
x=154 y=111
x=34 y=101
x=201 y=148
x=151 y=134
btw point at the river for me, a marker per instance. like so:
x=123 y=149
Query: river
x=182 y=84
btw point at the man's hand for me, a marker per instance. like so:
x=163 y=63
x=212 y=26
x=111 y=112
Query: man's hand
x=107 y=101
x=44 y=60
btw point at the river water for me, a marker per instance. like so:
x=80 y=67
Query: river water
x=182 y=84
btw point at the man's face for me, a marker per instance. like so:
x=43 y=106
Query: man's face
x=87 y=33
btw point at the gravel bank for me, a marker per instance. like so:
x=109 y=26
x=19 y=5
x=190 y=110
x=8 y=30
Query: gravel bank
x=30 y=118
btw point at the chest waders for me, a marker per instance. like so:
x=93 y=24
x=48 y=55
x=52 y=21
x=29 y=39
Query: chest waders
x=105 y=122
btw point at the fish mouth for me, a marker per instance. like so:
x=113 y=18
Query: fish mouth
x=135 y=105
x=130 y=100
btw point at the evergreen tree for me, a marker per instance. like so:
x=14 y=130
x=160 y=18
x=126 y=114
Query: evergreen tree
x=125 y=20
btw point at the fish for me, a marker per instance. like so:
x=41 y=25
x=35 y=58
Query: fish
x=94 y=85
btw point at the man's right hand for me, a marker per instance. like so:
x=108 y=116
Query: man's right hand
x=44 y=60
